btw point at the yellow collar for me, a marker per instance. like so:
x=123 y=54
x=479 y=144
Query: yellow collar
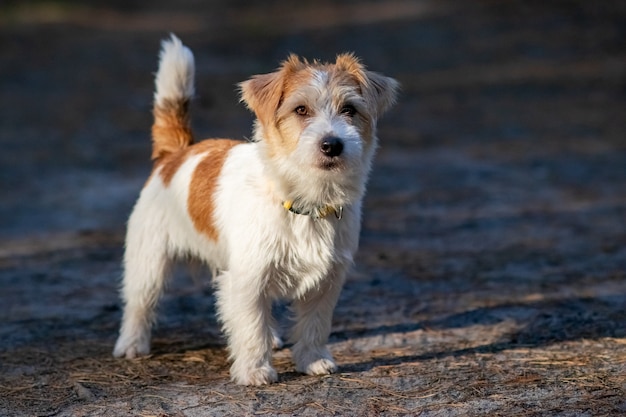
x=315 y=212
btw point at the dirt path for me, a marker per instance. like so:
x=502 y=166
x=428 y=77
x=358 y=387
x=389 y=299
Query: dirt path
x=491 y=278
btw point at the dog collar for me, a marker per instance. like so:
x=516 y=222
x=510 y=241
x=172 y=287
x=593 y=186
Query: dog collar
x=315 y=212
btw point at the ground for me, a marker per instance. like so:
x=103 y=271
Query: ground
x=491 y=278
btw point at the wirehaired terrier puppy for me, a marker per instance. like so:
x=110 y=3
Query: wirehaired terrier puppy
x=275 y=218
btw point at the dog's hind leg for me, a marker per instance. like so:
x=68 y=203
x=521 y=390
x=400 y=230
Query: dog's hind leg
x=146 y=268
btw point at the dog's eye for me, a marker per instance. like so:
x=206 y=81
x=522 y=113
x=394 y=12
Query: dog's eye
x=302 y=111
x=348 y=110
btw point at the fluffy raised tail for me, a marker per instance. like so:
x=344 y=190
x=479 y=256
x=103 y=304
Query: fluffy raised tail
x=174 y=84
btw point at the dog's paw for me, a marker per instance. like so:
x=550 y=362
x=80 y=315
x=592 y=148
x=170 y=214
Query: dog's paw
x=313 y=361
x=320 y=367
x=277 y=342
x=256 y=376
x=131 y=348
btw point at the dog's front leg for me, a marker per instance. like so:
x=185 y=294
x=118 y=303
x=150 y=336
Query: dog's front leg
x=245 y=312
x=314 y=313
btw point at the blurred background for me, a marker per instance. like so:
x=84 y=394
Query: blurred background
x=537 y=85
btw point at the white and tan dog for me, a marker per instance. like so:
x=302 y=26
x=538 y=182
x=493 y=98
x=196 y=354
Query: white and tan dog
x=276 y=218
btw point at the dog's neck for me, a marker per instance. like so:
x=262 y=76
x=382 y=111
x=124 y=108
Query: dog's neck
x=308 y=192
x=318 y=212
x=302 y=207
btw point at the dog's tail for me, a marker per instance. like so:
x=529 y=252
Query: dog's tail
x=174 y=84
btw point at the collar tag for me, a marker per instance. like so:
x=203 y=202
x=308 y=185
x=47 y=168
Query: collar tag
x=339 y=213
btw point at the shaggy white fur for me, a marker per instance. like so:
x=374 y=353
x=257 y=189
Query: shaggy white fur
x=263 y=215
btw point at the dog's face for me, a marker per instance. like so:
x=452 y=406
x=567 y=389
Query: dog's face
x=317 y=123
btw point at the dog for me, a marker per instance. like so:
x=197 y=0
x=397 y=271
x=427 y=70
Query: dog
x=277 y=217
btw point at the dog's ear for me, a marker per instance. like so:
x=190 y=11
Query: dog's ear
x=381 y=90
x=376 y=88
x=263 y=93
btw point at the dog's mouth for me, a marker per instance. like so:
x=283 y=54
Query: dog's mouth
x=331 y=164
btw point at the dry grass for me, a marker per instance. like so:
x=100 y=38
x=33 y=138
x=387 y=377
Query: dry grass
x=588 y=374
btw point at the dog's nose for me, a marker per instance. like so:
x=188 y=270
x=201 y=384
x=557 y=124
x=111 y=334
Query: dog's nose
x=331 y=146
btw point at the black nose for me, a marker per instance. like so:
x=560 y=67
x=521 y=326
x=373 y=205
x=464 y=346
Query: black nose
x=331 y=146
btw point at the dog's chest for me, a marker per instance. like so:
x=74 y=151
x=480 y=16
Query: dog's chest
x=302 y=258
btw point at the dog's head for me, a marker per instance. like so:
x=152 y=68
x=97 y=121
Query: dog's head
x=317 y=124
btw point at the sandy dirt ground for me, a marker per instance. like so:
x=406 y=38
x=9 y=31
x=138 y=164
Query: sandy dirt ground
x=491 y=279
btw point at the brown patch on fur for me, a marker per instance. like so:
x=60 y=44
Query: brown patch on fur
x=377 y=89
x=351 y=65
x=171 y=130
x=201 y=204
x=170 y=164
x=264 y=93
